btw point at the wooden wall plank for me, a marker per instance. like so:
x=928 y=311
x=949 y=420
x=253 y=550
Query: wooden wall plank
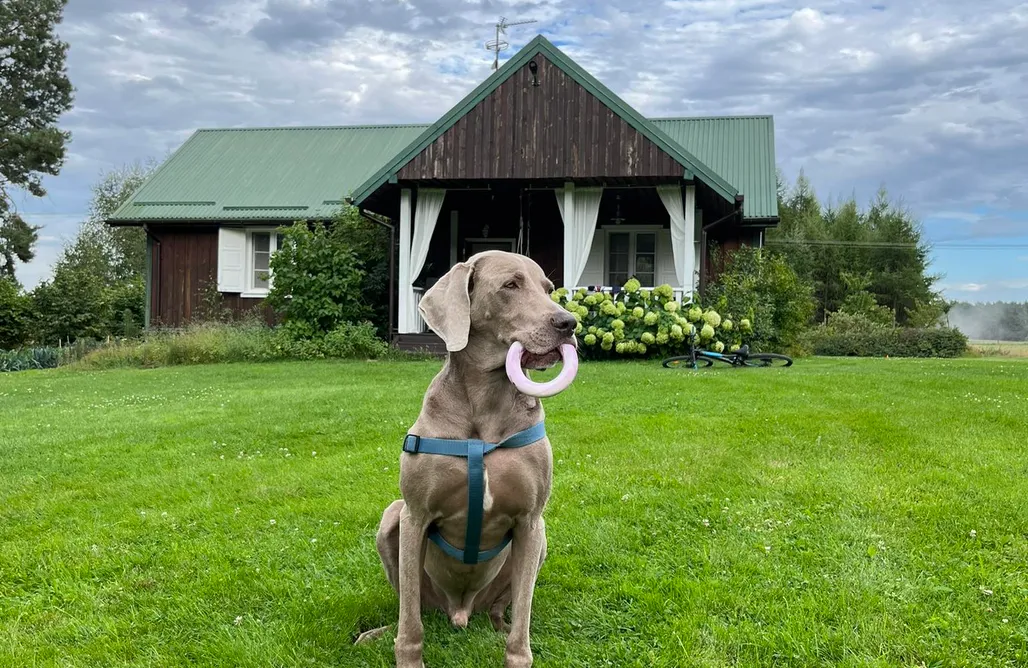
x=557 y=130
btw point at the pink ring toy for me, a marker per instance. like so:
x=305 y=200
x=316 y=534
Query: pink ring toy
x=533 y=389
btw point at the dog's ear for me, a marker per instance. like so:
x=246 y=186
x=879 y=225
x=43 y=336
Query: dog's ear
x=446 y=307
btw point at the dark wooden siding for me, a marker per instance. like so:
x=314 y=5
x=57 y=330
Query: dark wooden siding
x=555 y=130
x=185 y=262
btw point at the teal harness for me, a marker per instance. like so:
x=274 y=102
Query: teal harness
x=474 y=451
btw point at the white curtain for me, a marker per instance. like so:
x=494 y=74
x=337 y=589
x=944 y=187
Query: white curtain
x=671 y=196
x=426 y=212
x=579 y=208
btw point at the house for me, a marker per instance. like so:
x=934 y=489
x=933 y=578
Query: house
x=540 y=159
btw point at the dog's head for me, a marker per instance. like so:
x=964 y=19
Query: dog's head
x=494 y=299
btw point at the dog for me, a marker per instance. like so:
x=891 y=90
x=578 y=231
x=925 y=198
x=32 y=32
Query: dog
x=479 y=308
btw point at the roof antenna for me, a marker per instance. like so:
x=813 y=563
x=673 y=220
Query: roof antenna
x=497 y=45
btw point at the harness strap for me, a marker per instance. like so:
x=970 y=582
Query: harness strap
x=474 y=450
x=476 y=499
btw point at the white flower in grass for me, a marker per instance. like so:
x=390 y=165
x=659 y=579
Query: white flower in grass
x=987 y=592
x=625 y=498
x=238 y=620
x=314 y=540
x=767 y=549
x=272 y=522
x=705 y=523
x=314 y=453
x=974 y=534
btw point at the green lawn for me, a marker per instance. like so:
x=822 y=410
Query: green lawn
x=838 y=513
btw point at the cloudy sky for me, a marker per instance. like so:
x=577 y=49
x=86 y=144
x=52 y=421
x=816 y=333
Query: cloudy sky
x=926 y=97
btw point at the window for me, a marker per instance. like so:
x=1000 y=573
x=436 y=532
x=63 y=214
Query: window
x=632 y=253
x=260 y=246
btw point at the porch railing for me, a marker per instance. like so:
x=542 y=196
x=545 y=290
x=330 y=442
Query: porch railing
x=679 y=293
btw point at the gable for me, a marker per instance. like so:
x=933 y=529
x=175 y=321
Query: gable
x=557 y=129
x=538 y=48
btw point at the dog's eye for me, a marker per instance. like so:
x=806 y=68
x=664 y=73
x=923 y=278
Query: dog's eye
x=511 y=285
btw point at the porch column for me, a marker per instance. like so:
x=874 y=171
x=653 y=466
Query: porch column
x=403 y=324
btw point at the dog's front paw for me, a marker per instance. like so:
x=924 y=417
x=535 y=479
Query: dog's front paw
x=522 y=659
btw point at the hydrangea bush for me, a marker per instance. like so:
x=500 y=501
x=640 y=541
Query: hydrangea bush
x=638 y=322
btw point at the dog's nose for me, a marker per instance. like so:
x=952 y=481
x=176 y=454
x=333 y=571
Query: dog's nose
x=563 y=322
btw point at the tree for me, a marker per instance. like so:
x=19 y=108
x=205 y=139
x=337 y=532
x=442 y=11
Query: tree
x=828 y=246
x=15 y=314
x=98 y=287
x=120 y=251
x=17 y=240
x=34 y=92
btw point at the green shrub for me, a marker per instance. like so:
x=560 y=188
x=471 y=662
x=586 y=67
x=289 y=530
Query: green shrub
x=760 y=285
x=318 y=280
x=646 y=323
x=30 y=358
x=878 y=341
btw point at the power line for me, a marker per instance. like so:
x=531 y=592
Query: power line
x=889 y=244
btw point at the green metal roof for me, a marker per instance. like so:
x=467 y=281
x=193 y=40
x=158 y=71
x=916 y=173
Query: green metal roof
x=739 y=148
x=291 y=173
x=264 y=173
x=542 y=45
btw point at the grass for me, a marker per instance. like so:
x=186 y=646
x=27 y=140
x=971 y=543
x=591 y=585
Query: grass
x=837 y=513
x=999 y=348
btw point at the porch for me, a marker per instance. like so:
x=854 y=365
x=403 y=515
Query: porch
x=581 y=235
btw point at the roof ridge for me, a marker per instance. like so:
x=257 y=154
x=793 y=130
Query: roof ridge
x=715 y=117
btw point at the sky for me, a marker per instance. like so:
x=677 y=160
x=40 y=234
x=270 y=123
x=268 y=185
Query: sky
x=926 y=98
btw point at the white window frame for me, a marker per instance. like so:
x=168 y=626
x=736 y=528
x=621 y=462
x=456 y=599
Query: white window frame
x=633 y=231
x=249 y=288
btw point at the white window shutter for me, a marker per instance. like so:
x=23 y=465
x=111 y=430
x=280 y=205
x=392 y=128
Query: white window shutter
x=231 y=259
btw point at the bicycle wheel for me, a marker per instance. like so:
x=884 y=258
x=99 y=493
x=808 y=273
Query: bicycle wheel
x=685 y=362
x=768 y=359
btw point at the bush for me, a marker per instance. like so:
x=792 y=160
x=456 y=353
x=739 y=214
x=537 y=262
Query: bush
x=318 y=280
x=877 y=341
x=645 y=323
x=29 y=358
x=761 y=286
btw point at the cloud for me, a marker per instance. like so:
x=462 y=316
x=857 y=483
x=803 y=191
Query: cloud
x=929 y=97
x=965 y=287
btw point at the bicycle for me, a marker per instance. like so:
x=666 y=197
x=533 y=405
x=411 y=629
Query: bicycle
x=702 y=359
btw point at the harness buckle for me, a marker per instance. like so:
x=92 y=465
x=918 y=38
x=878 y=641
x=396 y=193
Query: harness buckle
x=417 y=443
